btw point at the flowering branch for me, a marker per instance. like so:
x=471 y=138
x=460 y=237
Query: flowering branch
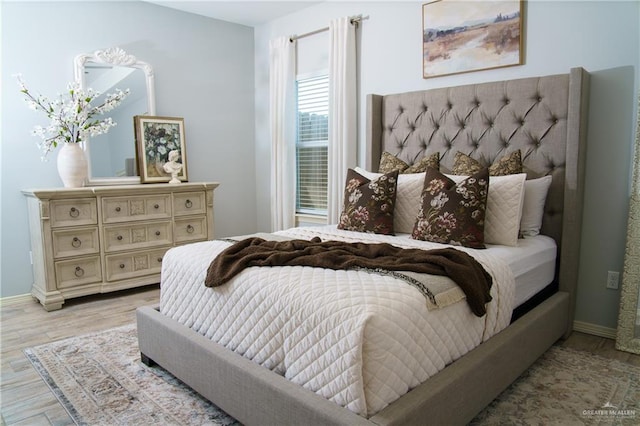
x=72 y=119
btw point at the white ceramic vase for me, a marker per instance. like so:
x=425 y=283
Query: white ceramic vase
x=72 y=165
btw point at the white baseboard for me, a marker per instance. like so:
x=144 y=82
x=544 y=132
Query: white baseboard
x=596 y=330
x=15 y=299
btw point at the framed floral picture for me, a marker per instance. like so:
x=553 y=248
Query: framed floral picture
x=474 y=35
x=160 y=149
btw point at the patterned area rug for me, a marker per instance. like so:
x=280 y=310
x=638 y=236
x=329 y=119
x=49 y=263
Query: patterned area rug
x=100 y=380
x=569 y=387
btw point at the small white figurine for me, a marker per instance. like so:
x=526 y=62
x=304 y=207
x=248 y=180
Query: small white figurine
x=173 y=167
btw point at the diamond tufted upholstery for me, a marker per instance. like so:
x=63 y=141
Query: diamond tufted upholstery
x=484 y=121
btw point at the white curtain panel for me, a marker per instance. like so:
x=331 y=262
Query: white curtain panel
x=282 y=77
x=342 y=152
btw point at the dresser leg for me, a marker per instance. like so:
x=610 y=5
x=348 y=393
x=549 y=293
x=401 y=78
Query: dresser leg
x=50 y=301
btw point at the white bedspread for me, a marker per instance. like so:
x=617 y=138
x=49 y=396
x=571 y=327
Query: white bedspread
x=359 y=339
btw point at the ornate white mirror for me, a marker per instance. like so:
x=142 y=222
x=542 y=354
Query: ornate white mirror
x=628 y=338
x=112 y=156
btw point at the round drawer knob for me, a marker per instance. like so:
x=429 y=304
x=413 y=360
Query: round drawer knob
x=74 y=212
x=159 y=259
x=190 y=229
x=79 y=272
x=188 y=204
x=118 y=209
x=76 y=242
x=119 y=238
x=158 y=233
x=156 y=206
x=122 y=266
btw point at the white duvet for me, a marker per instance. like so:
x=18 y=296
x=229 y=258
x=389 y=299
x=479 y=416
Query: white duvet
x=359 y=339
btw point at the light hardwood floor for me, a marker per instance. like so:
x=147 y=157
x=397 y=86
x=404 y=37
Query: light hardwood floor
x=26 y=400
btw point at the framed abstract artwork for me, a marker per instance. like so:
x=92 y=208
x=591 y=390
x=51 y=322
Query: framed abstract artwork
x=472 y=35
x=160 y=149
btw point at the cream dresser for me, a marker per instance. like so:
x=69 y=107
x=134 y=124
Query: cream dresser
x=106 y=238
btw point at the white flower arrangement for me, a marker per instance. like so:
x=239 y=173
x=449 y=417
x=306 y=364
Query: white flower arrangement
x=73 y=118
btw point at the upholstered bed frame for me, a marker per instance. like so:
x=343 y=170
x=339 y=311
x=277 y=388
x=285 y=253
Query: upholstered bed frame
x=544 y=117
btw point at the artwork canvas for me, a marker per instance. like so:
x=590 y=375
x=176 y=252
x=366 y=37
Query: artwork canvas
x=160 y=149
x=470 y=35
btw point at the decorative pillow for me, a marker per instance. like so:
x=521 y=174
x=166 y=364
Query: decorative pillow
x=509 y=164
x=389 y=162
x=432 y=161
x=369 y=204
x=535 y=196
x=504 y=208
x=465 y=165
x=408 y=195
x=453 y=213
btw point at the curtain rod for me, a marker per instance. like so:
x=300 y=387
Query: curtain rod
x=355 y=20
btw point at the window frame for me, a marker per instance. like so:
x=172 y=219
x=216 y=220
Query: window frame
x=306 y=212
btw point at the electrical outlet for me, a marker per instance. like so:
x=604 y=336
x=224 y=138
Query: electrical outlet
x=613 y=278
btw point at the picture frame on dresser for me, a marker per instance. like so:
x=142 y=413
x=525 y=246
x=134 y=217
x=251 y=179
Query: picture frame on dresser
x=160 y=142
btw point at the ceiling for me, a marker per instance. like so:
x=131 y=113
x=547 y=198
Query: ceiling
x=250 y=13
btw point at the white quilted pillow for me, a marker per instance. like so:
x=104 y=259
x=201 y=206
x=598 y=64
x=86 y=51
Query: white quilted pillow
x=504 y=208
x=408 y=193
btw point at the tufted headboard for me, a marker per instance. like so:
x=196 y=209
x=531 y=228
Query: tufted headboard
x=544 y=117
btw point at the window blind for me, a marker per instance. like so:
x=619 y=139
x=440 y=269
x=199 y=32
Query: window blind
x=312 y=144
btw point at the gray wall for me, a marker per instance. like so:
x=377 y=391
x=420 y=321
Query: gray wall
x=203 y=72
x=603 y=37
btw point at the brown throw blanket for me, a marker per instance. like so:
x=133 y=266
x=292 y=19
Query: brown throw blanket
x=463 y=269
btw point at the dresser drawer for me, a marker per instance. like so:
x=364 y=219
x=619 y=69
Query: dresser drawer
x=73 y=212
x=143 y=207
x=75 y=242
x=186 y=203
x=192 y=228
x=75 y=272
x=137 y=236
x=136 y=264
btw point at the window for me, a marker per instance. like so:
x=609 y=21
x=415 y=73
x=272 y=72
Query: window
x=312 y=140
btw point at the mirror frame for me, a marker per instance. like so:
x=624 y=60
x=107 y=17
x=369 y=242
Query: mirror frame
x=626 y=338
x=117 y=57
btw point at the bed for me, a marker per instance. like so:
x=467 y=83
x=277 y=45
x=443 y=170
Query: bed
x=542 y=117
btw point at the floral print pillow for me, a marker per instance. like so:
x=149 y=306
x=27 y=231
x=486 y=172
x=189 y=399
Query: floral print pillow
x=369 y=204
x=453 y=213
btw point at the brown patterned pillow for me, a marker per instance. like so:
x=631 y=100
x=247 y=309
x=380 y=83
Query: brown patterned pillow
x=432 y=161
x=509 y=164
x=453 y=213
x=389 y=163
x=465 y=165
x=369 y=204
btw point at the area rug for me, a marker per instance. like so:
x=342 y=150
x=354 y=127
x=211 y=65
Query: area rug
x=99 y=380
x=569 y=387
